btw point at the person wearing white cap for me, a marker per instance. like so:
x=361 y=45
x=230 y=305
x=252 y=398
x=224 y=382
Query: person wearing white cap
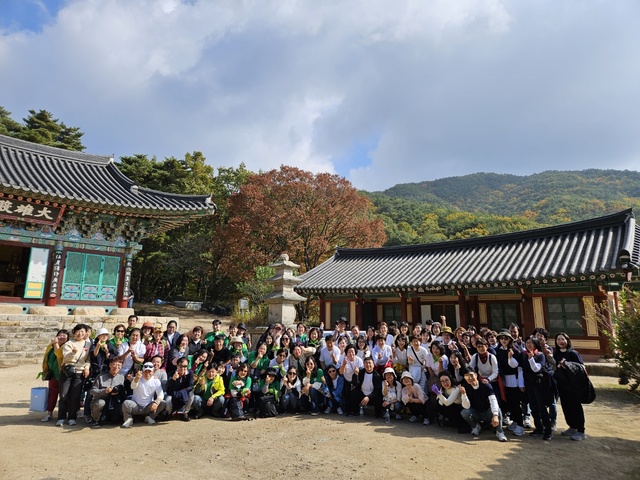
x=147 y=399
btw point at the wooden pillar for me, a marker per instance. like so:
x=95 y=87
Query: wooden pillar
x=322 y=306
x=416 y=314
x=359 y=311
x=54 y=275
x=126 y=283
x=374 y=311
x=528 y=318
x=403 y=307
x=462 y=309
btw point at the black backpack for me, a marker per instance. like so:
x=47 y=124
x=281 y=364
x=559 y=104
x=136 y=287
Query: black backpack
x=268 y=406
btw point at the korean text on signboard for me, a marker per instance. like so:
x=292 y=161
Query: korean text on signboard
x=15 y=209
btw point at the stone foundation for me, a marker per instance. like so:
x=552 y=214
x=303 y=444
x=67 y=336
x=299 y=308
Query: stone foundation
x=24 y=338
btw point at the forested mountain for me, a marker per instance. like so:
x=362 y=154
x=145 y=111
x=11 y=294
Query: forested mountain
x=489 y=203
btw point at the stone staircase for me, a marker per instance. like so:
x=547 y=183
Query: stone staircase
x=24 y=338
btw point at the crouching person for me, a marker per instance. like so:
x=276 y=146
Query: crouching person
x=147 y=399
x=209 y=392
x=180 y=387
x=107 y=394
x=480 y=405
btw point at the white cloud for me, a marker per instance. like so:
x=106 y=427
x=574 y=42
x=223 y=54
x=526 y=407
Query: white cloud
x=448 y=88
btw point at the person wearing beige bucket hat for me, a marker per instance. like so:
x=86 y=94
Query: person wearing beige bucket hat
x=412 y=396
x=391 y=394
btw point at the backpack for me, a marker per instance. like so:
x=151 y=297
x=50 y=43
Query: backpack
x=575 y=377
x=268 y=406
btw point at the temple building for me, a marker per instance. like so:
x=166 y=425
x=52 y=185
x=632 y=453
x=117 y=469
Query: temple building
x=70 y=223
x=563 y=278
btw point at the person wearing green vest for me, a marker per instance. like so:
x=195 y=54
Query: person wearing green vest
x=51 y=370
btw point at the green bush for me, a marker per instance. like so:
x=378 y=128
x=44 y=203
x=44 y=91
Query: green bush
x=625 y=340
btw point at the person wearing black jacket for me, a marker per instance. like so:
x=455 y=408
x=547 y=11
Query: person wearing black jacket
x=368 y=388
x=180 y=387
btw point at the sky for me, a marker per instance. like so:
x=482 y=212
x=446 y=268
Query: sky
x=379 y=92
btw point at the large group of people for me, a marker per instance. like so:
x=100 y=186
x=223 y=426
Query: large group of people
x=471 y=380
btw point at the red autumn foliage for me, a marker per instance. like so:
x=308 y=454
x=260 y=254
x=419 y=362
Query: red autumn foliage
x=296 y=212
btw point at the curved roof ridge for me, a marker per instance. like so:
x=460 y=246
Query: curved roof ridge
x=55 y=151
x=614 y=219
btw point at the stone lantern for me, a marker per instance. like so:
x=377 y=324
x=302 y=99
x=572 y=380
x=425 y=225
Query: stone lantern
x=282 y=299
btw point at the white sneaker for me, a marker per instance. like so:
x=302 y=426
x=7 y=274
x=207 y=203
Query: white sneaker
x=506 y=420
x=578 y=436
x=554 y=427
x=568 y=432
x=46 y=418
x=59 y=423
x=127 y=423
x=527 y=422
x=475 y=431
x=340 y=412
x=149 y=420
x=327 y=411
x=501 y=436
x=72 y=422
x=518 y=431
x=426 y=422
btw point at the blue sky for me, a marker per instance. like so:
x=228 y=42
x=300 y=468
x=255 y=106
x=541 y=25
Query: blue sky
x=379 y=92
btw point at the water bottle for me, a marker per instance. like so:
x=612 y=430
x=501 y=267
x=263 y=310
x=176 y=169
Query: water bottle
x=362 y=410
x=387 y=416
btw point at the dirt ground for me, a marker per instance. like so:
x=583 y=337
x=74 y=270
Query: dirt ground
x=328 y=446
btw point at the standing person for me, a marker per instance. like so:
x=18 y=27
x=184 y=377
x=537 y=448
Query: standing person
x=118 y=339
x=417 y=360
x=351 y=366
x=157 y=346
x=75 y=368
x=132 y=353
x=132 y=321
x=384 y=333
x=181 y=350
x=480 y=405
x=538 y=386
x=171 y=335
x=513 y=380
x=569 y=397
x=51 y=365
x=196 y=343
x=147 y=398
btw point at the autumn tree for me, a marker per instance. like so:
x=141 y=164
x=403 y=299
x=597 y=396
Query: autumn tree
x=294 y=211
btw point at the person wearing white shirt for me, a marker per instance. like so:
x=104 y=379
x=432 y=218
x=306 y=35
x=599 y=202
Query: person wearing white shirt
x=329 y=354
x=147 y=398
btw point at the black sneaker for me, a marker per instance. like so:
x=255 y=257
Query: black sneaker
x=185 y=417
x=95 y=424
x=536 y=433
x=547 y=436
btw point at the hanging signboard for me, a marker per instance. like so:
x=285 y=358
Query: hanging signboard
x=18 y=209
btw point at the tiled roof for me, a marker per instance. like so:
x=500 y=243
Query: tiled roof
x=30 y=169
x=575 y=252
